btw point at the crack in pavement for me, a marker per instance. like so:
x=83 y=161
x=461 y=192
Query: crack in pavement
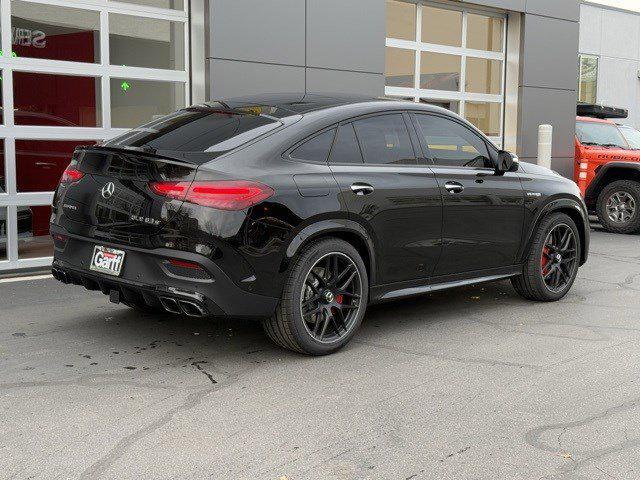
x=451 y=358
x=86 y=381
x=579 y=460
x=198 y=365
x=505 y=328
x=191 y=401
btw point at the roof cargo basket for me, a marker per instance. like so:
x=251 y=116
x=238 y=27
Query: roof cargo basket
x=600 y=111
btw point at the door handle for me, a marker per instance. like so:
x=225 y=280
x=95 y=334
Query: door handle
x=361 y=188
x=454 y=187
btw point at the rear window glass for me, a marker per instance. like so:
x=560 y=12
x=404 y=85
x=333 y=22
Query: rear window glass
x=604 y=134
x=385 y=140
x=196 y=131
x=345 y=148
x=316 y=149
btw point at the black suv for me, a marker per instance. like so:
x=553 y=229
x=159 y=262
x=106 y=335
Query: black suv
x=303 y=210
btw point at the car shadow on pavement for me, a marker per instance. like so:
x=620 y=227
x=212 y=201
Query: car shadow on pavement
x=144 y=339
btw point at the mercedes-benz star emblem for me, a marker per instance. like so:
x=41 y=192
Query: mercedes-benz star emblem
x=107 y=190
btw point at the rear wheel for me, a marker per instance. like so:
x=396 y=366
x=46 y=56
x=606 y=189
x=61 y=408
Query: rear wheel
x=553 y=262
x=618 y=207
x=323 y=301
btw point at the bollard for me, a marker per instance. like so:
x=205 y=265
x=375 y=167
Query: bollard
x=545 y=141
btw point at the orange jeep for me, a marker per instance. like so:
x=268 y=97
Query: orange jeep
x=607 y=167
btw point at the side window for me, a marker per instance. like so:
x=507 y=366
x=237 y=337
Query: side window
x=451 y=144
x=385 y=140
x=315 y=149
x=345 y=148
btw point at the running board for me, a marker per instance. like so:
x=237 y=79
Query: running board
x=422 y=289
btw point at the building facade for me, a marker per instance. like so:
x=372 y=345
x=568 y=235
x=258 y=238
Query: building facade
x=610 y=58
x=79 y=71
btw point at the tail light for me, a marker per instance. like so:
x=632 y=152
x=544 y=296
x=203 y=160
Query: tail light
x=223 y=194
x=71 y=174
x=185 y=269
x=184 y=264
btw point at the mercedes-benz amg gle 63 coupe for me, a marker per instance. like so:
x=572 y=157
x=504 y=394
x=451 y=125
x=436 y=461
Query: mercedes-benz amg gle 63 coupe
x=302 y=210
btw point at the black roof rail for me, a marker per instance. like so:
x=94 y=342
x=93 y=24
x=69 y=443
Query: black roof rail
x=601 y=111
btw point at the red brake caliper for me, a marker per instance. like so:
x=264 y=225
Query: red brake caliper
x=339 y=299
x=544 y=261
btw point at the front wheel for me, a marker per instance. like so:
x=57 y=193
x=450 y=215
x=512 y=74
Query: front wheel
x=553 y=262
x=323 y=301
x=618 y=207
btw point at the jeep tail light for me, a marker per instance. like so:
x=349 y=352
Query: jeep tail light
x=71 y=174
x=222 y=194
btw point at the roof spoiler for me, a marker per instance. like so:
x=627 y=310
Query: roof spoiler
x=601 y=111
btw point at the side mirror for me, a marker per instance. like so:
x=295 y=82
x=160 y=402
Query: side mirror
x=507 y=162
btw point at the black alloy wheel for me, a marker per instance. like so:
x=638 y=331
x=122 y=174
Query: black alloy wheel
x=553 y=261
x=323 y=301
x=330 y=297
x=559 y=259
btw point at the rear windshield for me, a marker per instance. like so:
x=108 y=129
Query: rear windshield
x=196 y=130
x=603 y=134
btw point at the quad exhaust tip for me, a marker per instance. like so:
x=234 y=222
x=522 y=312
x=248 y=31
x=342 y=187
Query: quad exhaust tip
x=170 y=304
x=182 y=307
x=60 y=275
x=191 y=309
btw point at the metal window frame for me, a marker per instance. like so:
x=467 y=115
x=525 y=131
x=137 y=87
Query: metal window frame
x=9 y=132
x=462 y=96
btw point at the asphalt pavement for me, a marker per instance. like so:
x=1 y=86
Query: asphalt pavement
x=474 y=383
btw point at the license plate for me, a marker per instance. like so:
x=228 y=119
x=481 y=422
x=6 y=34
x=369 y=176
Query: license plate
x=107 y=260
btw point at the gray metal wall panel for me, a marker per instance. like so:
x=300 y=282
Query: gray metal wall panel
x=231 y=78
x=514 y=5
x=338 y=81
x=618 y=85
x=590 y=30
x=564 y=9
x=271 y=32
x=550 y=49
x=346 y=35
x=547 y=106
x=620 y=34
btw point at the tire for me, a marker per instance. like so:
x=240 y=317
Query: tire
x=310 y=278
x=629 y=192
x=543 y=258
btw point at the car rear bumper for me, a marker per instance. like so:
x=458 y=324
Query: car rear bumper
x=145 y=280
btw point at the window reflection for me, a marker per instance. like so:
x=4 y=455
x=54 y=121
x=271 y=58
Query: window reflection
x=484 y=76
x=54 y=32
x=56 y=100
x=40 y=163
x=135 y=102
x=588 y=81
x=3 y=233
x=400 y=67
x=485 y=116
x=485 y=33
x=34 y=240
x=439 y=71
x=146 y=42
x=401 y=20
x=441 y=26
x=172 y=4
x=3 y=183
